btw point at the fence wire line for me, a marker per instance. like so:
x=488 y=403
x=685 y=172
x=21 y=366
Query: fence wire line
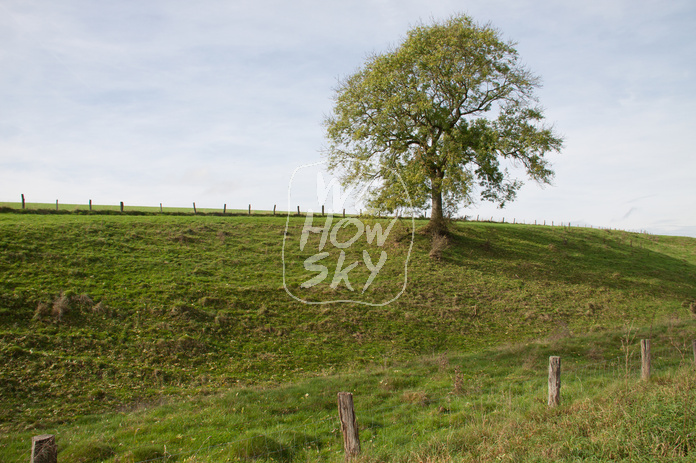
x=374 y=419
x=574 y=374
x=290 y=430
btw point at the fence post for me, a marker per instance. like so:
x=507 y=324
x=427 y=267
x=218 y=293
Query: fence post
x=22 y=200
x=349 y=424
x=90 y=205
x=249 y=209
x=645 y=359
x=298 y=210
x=224 y=208
x=121 y=206
x=160 y=208
x=56 y=204
x=554 y=381
x=322 y=210
x=43 y=449
x=274 y=208
x=344 y=213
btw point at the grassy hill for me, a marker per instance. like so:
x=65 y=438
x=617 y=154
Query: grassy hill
x=100 y=313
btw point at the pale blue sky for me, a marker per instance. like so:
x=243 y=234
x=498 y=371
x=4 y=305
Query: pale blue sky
x=218 y=102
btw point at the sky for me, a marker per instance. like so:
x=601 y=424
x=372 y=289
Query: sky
x=218 y=103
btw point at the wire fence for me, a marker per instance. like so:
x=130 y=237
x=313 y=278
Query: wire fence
x=440 y=410
x=249 y=210
x=447 y=407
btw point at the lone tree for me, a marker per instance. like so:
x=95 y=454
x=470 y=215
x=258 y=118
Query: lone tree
x=443 y=109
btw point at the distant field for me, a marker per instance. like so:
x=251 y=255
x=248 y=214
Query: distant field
x=100 y=313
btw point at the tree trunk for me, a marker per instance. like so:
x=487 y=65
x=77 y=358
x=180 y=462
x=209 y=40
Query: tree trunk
x=437 y=222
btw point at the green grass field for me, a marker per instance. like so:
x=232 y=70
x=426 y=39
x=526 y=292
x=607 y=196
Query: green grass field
x=123 y=334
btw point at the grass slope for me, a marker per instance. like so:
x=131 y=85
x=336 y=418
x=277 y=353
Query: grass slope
x=100 y=312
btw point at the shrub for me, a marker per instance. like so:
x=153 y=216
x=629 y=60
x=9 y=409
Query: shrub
x=43 y=310
x=61 y=307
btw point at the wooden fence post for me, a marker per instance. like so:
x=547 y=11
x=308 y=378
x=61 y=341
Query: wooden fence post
x=322 y=210
x=56 y=204
x=194 y=208
x=274 y=208
x=224 y=209
x=121 y=206
x=554 y=381
x=298 y=210
x=22 y=200
x=249 y=209
x=645 y=359
x=43 y=449
x=344 y=216
x=90 y=205
x=349 y=424
x=160 y=208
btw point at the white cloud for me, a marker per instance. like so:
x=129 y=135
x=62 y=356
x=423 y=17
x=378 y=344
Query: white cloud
x=218 y=101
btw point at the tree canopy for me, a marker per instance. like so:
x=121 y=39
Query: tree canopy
x=443 y=109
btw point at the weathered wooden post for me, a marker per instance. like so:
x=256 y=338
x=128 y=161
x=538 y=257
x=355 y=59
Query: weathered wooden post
x=274 y=208
x=56 y=204
x=249 y=209
x=554 y=381
x=298 y=210
x=224 y=208
x=90 y=205
x=349 y=424
x=194 y=208
x=22 y=200
x=645 y=359
x=344 y=213
x=322 y=210
x=43 y=449
x=160 y=208
x=121 y=206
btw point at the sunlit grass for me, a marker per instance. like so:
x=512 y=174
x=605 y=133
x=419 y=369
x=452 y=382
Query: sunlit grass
x=184 y=309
